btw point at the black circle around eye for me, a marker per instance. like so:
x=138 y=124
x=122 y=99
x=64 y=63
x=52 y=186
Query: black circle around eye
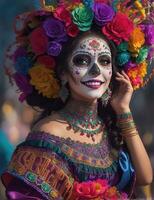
x=81 y=60
x=104 y=61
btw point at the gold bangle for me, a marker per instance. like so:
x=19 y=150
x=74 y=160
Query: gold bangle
x=126 y=124
x=129 y=135
x=128 y=130
x=128 y=127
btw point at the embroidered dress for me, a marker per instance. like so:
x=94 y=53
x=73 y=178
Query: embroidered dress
x=46 y=166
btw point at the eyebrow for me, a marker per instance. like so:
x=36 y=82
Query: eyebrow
x=88 y=53
x=105 y=53
x=78 y=52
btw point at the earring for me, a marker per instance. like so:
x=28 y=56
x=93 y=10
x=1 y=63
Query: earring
x=64 y=93
x=106 y=96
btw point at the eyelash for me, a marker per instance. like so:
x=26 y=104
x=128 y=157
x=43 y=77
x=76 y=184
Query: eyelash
x=85 y=60
x=104 y=61
x=79 y=60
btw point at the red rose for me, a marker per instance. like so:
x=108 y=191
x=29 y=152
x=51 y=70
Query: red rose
x=64 y=15
x=48 y=61
x=39 y=41
x=119 y=28
x=72 y=30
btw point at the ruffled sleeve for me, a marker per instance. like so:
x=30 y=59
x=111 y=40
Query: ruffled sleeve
x=36 y=173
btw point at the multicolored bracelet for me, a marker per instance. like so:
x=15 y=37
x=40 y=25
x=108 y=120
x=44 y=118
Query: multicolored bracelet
x=123 y=116
x=126 y=123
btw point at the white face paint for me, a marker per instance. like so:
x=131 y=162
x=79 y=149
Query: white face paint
x=90 y=66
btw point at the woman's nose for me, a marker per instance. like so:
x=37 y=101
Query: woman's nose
x=94 y=70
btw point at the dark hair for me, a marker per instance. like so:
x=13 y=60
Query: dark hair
x=107 y=113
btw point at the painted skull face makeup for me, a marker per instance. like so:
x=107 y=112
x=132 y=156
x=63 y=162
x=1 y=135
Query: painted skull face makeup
x=90 y=67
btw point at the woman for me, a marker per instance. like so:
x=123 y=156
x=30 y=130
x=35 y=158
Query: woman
x=85 y=145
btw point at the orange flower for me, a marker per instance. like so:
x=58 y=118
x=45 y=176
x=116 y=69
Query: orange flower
x=136 y=74
x=136 y=40
x=142 y=68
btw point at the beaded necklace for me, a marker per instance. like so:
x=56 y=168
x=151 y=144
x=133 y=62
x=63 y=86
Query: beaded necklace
x=86 y=123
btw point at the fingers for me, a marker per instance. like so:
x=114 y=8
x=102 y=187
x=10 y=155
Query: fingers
x=123 y=77
x=124 y=82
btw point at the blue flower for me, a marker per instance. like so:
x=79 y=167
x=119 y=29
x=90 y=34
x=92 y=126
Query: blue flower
x=22 y=65
x=123 y=58
x=88 y=3
x=123 y=46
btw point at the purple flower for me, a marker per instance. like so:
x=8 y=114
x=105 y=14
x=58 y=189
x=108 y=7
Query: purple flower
x=103 y=13
x=20 y=52
x=149 y=33
x=54 y=29
x=54 y=48
x=22 y=83
x=151 y=53
x=129 y=65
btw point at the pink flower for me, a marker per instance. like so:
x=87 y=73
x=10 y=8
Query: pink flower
x=98 y=189
x=124 y=196
x=103 y=183
x=83 y=189
x=39 y=41
x=119 y=28
x=90 y=189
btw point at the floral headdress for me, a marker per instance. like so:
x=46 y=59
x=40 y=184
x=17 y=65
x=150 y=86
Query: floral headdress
x=41 y=34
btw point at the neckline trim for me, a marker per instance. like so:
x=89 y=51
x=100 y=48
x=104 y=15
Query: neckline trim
x=45 y=134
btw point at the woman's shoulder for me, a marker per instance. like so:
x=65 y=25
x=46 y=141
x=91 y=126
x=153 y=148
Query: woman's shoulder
x=52 y=124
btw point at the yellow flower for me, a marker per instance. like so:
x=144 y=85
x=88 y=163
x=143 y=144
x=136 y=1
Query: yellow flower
x=136 y=40
x=142 y=69
x=140 y=8
x=54 y=194
x=44 y=81
x=49 y=8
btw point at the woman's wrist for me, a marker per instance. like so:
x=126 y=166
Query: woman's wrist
x=126 y=123
x=122 y=110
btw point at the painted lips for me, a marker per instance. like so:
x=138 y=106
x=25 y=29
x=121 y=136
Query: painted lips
x=94 y=84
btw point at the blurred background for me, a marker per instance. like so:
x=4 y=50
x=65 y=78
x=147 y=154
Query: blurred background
x=15 y=118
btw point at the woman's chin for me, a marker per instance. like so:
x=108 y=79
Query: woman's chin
x=88 y=98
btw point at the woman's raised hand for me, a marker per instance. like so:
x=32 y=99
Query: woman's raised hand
x=120 y=100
